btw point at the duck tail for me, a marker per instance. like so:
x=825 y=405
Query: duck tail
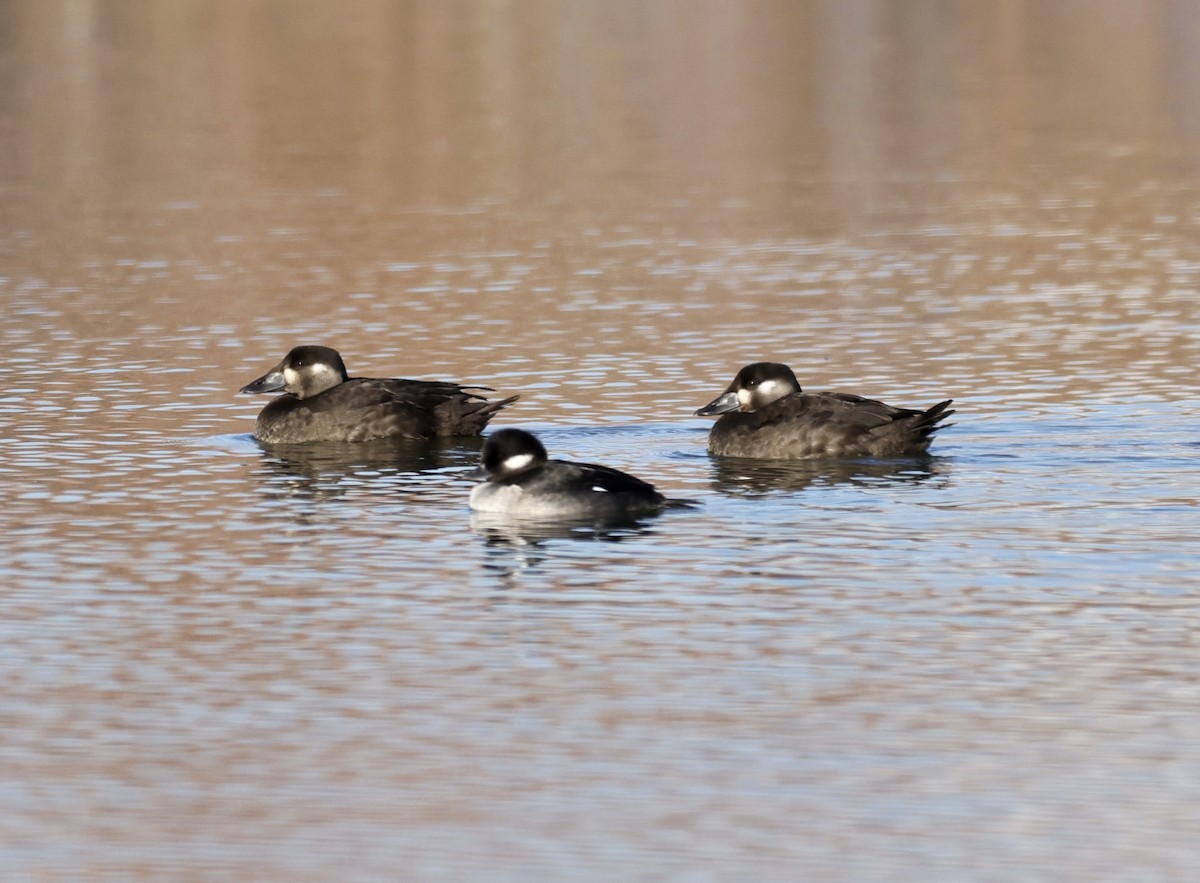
x=930 y=421
x=470 y=416
x=491 y=408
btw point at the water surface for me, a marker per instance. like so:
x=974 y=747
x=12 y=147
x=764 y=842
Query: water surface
x=225 y=661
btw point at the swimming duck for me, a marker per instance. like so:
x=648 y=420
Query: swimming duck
x=322 y=403
x=523 y=482
x=765 y=414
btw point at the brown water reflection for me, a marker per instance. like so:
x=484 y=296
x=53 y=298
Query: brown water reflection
x=220 y=660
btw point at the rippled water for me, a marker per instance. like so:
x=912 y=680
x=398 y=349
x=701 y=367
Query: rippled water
x=224 y=661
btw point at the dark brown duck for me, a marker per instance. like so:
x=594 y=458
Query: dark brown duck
x=765 y=414
x=322 y=403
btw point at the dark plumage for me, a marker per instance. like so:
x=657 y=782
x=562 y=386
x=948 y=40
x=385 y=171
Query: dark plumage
x=321 y=403
x=524 y=482
x=765 y=414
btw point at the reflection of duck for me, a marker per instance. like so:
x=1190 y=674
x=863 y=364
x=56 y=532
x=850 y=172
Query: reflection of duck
x=326 y=469
x=743 y=476
x=516 y=547
x=522 y=482
x=508 y=531
x=321 y=403
x=766 y=414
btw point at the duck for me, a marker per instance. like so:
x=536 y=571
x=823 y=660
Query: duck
x=322 y=403
x=765 y=414
x=523 y=482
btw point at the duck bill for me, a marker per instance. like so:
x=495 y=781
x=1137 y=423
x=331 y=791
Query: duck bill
x=272 y=381
x=722 y=404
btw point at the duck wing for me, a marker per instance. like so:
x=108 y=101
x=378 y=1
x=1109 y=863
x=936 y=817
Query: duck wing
x=454 y=409
x=592 y=476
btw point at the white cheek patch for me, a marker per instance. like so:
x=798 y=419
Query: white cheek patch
x=598 y=489
x=326 y=376
x=516 y=462
x=315 y=379
x=770 y=390
x=745 y=399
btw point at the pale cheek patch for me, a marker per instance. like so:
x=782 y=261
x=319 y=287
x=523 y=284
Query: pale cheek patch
x=598 y=489
x=745 y=399
x=516 y=462
x=318 y=379
x=326 y=376
x=770 y=390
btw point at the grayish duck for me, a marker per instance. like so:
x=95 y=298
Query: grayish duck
x=765 y=414
x=522 y=482
x=322 y=403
